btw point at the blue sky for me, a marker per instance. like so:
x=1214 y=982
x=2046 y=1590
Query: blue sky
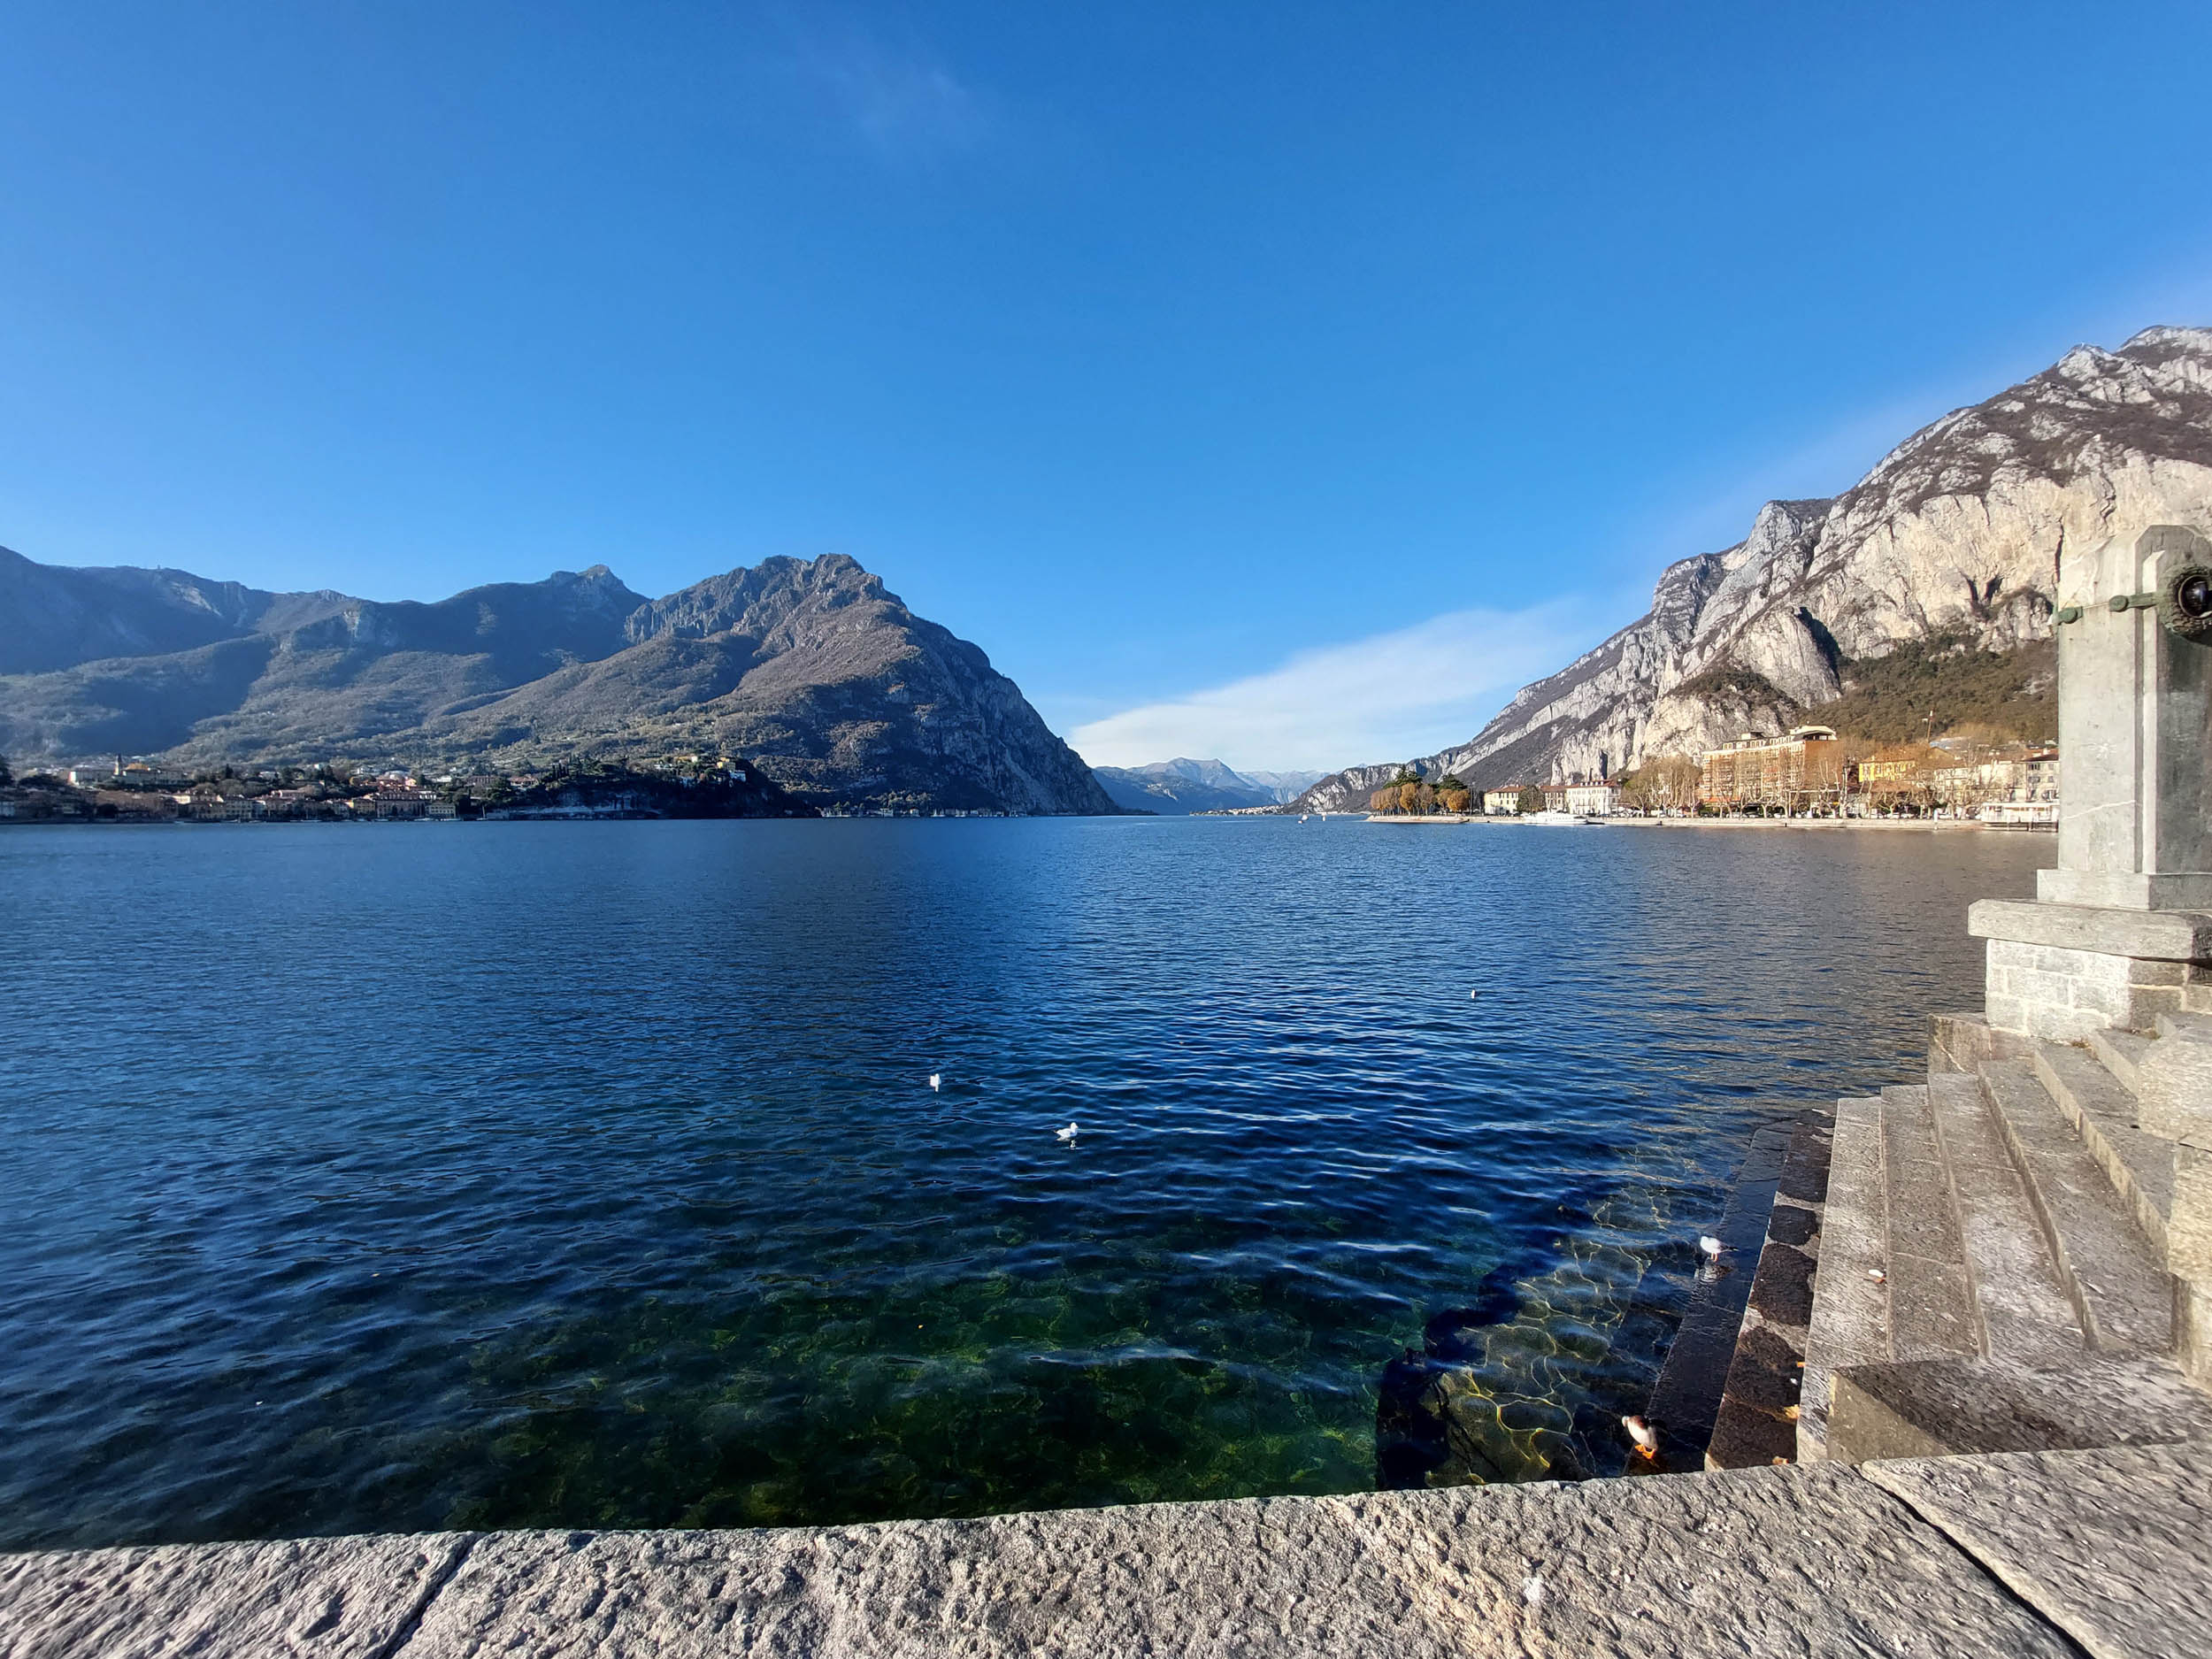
x=1282 y=381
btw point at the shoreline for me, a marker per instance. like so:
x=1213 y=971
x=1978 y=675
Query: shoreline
x=1921 y=826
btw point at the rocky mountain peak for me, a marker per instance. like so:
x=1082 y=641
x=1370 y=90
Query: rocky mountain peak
x=808 y=667
x=1954 y=535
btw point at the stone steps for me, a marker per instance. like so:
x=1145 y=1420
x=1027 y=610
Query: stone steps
x=2119 y=1052
x=1931 y=1299
x=1851 y=1316
x=1993 y=1270
x=2022 y=1314
x=1948 y=1408
x=2122 y=1297
x=2101 y=1110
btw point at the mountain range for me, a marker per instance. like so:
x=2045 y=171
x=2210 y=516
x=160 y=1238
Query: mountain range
x=808 y=667
x=1942 y=560
x=1169 y=786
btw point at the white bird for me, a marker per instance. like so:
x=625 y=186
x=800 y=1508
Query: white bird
x=1474 y=997
x=936 y=1080
x=1067 y=1133
x=1646 y=1437
x=1711 y=1246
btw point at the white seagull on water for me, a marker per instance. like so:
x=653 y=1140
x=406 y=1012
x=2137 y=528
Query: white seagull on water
x=1067 y=1133
x=936 y=1082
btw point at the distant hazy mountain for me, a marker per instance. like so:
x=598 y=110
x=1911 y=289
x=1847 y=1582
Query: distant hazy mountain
x=808 y=667
x=55 y=617
x=1198 y=786
x=1950 y=544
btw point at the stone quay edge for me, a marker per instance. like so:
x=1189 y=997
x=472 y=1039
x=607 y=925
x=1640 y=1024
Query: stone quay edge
x=2010 y=1554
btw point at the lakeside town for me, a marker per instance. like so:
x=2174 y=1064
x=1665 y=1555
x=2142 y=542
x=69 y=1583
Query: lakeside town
x=1807 y=772
x=138 y=791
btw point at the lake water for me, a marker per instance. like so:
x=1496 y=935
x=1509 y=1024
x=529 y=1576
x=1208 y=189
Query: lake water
x=406 y=1177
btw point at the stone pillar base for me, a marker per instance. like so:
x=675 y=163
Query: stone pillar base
x=2059 y=971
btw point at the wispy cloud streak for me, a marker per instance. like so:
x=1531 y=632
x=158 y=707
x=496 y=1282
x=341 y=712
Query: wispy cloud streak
x=1389 y=696
x=896 y=97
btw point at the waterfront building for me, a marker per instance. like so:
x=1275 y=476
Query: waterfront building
x=2042 y=769
x=1554 y=797
x=1801 y=769
x=1592 y=800
x=1507 y=800
x=405 y=803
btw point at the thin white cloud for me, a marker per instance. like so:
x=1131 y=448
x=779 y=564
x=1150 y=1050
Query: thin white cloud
x=1390 y=697
x=896 y=97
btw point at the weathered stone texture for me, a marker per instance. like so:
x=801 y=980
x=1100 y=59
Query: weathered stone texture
x=2174 y=1083
x=2113 y=1548
x=2062 y=995
x=1962 y=1406
x=335 y=1598
x=1775 y=1561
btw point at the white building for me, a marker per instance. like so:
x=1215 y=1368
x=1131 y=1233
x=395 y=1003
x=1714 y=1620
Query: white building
x=1593 y=800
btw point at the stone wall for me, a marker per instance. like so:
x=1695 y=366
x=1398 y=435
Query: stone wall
x=2059 y=971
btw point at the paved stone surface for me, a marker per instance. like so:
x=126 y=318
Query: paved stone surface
x=335 y=1598
x=1765 y=1562
x=2121 y=1290
x=2102 y=1111
x=2173 y=1080
x=2022 y=1309
x=1773 y=1560
x=1958 y=1407
x=2113 y=1546
x=1930 y=1310
x=2119 y=1051
x=1850 y=1318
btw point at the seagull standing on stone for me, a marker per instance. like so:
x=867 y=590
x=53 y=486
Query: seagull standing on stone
x=1710 y=1247
x=1645 y=1437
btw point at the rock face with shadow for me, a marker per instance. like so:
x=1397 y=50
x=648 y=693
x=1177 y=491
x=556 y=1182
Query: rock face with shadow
x=1954 y=537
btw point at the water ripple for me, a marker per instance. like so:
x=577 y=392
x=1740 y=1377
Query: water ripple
x=587 y=1175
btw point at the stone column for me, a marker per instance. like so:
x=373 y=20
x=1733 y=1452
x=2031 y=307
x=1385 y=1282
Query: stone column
x=2121 y=931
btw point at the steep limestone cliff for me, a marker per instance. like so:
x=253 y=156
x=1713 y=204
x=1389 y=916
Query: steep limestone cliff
x=1957 y=534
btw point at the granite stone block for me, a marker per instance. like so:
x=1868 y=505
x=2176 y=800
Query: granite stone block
x=335 y=1598
x=2111 y=1545
x=1755 y=1561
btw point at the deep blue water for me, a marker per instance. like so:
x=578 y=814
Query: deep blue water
x=417 y=1176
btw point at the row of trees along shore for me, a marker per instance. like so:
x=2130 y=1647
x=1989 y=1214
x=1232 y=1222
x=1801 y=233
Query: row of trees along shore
x=1408 y=792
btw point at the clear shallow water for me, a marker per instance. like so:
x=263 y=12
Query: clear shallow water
x=502 y=1175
